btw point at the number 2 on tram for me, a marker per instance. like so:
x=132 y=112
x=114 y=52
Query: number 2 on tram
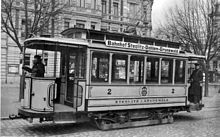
x=113 y=79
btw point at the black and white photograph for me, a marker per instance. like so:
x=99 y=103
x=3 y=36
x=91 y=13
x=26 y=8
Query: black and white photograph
x=110 y=68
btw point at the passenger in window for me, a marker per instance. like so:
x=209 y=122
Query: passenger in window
x=38 y=68
x=195 y=90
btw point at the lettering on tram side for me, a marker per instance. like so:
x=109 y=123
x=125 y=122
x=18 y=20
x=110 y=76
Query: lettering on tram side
x=137 y=46
x=142 y=101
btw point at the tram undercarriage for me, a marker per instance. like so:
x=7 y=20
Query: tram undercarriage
x=133 y=118
x=107 y=120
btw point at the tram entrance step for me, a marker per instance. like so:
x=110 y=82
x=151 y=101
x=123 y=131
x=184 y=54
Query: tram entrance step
x=63 y=108
x=64 y=117
x=64 y=114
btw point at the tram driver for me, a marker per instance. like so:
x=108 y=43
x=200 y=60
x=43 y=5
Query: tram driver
x=195 y=90
x=38 y=68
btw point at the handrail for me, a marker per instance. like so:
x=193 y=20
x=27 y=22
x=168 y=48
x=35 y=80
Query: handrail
x=51 y=99
x=78 y=105
x=77 y=95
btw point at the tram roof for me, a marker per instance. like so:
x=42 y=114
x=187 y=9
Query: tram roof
x=52 y=43
x=194 y=56
x=91 y=32
x=45 y=43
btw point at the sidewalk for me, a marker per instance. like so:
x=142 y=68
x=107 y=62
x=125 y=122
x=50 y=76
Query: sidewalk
x=9 y=99
x=211 y=101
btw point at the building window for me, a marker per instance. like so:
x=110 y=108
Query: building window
x=115 y=8
x=23 y=23
x=100 y=66
x=145 y=10
x=152 y=70
x=104 y=6
x=27 y=59
x=13 y=69
x=45 y=58
x=180 y=71
x=80 y=25
x=66 y=23
x=166 y=71
x=94 y=4
x=17 y=20
x=215 y=65
x=119 y=68
x=132 y=8
x=93 y=27
x=136 y=69
x=81 y=3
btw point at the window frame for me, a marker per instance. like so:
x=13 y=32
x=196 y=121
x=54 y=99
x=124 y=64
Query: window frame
x=149 y=81
x=169 y=71
x=127 y=57
x=99 y=55
x=104 y=7
x=183 y=71
x=115 y=9
x=140 y=60
x=119 y=57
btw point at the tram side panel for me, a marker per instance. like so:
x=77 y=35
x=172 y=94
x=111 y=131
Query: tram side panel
x=39 y=94
x=104 y=98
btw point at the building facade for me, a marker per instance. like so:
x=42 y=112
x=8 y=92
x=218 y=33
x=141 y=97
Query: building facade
x=121 y=16
x=215 y=63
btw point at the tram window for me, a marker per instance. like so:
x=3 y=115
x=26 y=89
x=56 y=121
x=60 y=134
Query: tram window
x=180 y=71
x=77 y=65
x=136 y=69
x=100 y=65
x=152 y=70
x=82 y=65
x=166 y=71
x=119 y=71
x=72 y=65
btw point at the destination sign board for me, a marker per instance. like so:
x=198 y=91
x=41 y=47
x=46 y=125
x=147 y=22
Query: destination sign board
x=137 y=46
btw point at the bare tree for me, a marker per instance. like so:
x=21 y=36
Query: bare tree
x=193 y=24
x=38 y=16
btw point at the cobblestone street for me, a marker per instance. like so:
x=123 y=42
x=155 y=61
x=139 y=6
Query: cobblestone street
x=205 y=123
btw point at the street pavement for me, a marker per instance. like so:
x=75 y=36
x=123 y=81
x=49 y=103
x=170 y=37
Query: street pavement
x=205 y=123
x=9 y=100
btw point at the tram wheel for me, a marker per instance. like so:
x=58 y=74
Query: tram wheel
x=104 y=124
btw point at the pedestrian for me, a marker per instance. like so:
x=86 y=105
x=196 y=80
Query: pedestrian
x=38 y=68
x=195 y=90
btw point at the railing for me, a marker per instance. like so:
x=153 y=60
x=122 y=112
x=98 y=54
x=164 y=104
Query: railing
x=52 y=94
x=78 y=97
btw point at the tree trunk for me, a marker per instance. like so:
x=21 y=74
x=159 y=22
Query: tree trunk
x=22 y=77
x=206 y=94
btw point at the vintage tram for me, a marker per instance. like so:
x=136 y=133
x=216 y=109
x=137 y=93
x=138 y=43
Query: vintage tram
x=114 y=80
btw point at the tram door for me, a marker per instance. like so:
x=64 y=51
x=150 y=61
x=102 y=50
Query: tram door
x=75 y=71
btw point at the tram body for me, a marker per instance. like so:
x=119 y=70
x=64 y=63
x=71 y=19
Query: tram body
x=113 y=83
